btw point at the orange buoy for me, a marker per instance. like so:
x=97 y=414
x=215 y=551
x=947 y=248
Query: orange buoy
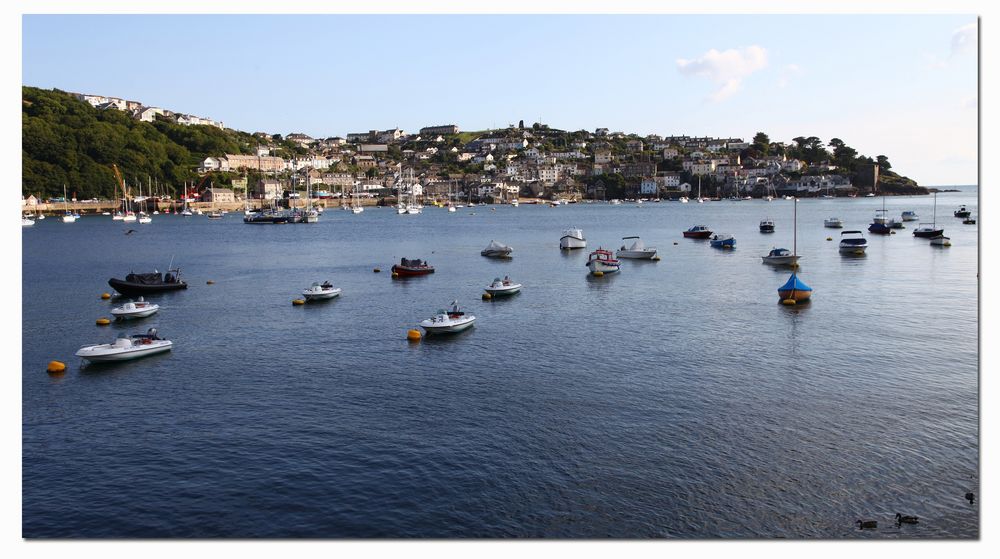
x=105 y=295
x=209 y=282
x=298 y=301
x=56 y=367
x=103 y=321
x=413 y=335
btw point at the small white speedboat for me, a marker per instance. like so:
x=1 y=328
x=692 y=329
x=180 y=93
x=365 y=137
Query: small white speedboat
x=833 y=222
x=910 y=215
x=636 y=250
x=135 y=309
x=318 y=291
x=124 y=349
x=25 y=222
x=781 y=257
x=503 y=287
x=853 y=242
x=448 y=322
x=497 y=250
x=941 y=241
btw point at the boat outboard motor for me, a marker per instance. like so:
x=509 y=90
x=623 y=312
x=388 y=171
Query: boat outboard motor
x=152 y=334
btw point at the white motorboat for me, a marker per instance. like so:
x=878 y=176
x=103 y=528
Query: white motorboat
x=357 y=209
x=118 y=216
x=448 y=322
x=497 y=250
x=129 y=217
x=636 y=250
x=135 y=309
x=503 y=287
x=683 y=200
x=853 y=242
x=910 y=215
x=833 y=222
x=941 y=241
x=603 y=261
x=780 y=257
x=124 y=349
x=318 y=291
x=451 y=208
x=70 y=218
x=615 y=202
x=25 y=222
x=572 y=238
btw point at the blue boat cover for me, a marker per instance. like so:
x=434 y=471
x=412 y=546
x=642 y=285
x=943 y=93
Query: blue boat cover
x=794 y=283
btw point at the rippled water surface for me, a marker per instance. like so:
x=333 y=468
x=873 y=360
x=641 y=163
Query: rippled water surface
x=675 y=399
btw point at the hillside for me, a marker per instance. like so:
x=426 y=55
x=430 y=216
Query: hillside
x=67 y=141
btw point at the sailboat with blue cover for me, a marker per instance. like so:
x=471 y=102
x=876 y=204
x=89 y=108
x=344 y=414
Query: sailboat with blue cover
x=794 y=291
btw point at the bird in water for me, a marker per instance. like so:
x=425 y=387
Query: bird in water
x=130 y=231
x=904 y=519
x=970 y=497
x=866 y=524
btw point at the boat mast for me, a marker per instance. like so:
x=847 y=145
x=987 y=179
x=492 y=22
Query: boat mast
x=795 y=228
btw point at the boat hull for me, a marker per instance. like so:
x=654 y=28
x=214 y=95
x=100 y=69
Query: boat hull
x=106 y=354
x=879 y=229
x=603 y=266
x=125 y=315
x=796 y=295
x=319 y=296
x=636 y=254
x=405 y=271
x=431 y=328
x=569 y=243
x=781 y=260
x=833 y=224
x=496 y=253
x=697 y=234
x=725 y=243
x=502 y=291
x=924 y=234
x=130 y=288
x=853 y=249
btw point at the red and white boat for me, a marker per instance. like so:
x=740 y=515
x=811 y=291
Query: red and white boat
x=603 y=261
x=698 y=232
x=417 y=267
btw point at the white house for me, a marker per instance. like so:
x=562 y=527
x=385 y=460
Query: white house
x=792 y=165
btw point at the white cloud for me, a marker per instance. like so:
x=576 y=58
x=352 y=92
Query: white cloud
x=964 y=39
x=726 y=68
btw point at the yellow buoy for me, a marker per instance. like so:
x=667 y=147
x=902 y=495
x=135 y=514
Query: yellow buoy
x=209 y=282
x=788 y=301
x=829 y=238
x=395 y=274
x=598 y=274
x=377 y=270
x=487 y=296
x=56 y=367
x=105 y=295
x=298 y=301
x=103 y=321
x=413 y=335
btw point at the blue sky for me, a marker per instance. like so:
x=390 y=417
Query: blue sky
x=900 y=85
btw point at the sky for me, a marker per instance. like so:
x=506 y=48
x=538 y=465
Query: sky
x=904 y=86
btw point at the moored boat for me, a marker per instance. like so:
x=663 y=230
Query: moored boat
x=723 y=240
x=894 y=223
x=636 y=250
x=416 y=267
x=767 y=225
x=135 y=309
x=962 y=212
x=448 y=321
x=853 y=242
x=318 y=291
x=794 y=290
x=698 y=232
x=144 y=284
x=909 y=215
x=124 y=349
x=497 y=250
x=941 y=240
x=572 y=238
x=503 y=287
x=780 y=257
x=833 y=222
x=603 y=261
